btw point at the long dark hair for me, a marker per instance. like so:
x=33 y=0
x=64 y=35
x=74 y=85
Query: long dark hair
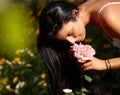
x=59 y=64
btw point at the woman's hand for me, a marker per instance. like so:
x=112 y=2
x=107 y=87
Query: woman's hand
x=94 y=64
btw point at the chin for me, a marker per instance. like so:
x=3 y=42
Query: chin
x=82 y=40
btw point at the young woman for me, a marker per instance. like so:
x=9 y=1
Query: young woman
x=63 y=24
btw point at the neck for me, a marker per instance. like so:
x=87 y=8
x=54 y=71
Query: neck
x=87 y=12
x=84 y=14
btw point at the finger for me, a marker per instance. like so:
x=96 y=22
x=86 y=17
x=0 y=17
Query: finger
x=84 y=68
x=86 y=64
x=87 y=68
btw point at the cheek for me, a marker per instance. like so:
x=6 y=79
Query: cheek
x=81 y=26
x=82 y=30
x=79 y=31
x=83 y=34
x=83 y=37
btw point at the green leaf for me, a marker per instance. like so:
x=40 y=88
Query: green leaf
x=88 y=78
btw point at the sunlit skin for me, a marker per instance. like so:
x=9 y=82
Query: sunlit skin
x=74 y=32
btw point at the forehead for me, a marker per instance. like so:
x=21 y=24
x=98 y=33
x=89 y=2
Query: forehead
x=62 y=33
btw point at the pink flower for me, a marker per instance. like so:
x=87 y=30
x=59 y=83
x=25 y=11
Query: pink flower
x=82 y=52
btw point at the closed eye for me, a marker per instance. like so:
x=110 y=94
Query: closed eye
x=69 y=33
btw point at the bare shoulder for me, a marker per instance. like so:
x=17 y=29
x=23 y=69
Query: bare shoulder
x=111 y=17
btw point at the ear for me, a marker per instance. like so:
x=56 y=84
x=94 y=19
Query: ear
x=75 y=12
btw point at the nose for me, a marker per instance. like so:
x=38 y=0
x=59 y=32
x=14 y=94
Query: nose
x=71 y=41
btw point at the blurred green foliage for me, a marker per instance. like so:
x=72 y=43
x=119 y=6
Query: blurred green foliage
x=13 y=21
x=22 y=75
x=21 y=69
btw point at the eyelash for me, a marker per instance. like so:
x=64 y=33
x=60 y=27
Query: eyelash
x=70 y=33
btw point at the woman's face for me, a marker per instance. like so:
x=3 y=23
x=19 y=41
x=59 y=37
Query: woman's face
x=73 y=32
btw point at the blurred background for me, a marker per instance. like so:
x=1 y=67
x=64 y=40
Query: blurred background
x=21 y=69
